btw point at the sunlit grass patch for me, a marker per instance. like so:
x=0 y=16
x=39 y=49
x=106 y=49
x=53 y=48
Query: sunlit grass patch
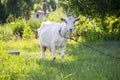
x=81 y=63
x=22 y=45
x=69 y=58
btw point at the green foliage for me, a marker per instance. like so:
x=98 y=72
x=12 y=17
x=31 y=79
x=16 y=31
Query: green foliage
x=6 y=33
x=34 y=24
x=17 y=8
x=27 y=33
x=94 y=8
x=14 y=67
x=100 y=11
x=91 y=29
x=52 y=3
x=2 y=13
x=11 y=18
x=25 y=30
x=87 y=28
x=112 y=28
x=18 y=27
x=56 y=15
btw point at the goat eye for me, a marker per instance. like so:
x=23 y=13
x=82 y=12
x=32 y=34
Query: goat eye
x=65 y=21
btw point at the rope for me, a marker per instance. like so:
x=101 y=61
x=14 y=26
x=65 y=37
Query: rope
x=88 y=46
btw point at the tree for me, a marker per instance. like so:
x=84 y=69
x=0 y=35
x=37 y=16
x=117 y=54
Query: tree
x=53 y=4
x=20 y=7
x=28 y=6
x=94 y=8
x=14 y=7
x=2 y=13
x=17 y=8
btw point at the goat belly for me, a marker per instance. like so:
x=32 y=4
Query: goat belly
x=45 y=38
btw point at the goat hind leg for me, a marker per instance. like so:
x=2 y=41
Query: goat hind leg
x=43 y=53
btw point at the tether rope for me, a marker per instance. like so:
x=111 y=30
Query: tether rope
x=101 y=52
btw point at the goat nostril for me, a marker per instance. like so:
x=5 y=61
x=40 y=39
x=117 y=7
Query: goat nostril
x=70 y=30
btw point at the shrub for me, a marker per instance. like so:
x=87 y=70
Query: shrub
x=87 y=29
x=6 y=33
x=18 y=27
x=56 y=15
x=34 y=25
x=27 y=33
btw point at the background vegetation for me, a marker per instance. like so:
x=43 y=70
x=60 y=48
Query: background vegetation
x=104 y=12
x=99 y=27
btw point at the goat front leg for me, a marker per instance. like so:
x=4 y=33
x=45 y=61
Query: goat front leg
x=62 y=53
x=53 y=52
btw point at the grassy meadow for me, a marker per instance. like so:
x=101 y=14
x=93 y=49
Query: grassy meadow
x=81 y=63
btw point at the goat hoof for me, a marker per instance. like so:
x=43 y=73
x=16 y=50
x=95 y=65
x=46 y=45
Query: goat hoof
x=53 y=58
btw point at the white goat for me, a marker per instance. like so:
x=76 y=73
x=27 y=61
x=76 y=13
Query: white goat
x=54 y=35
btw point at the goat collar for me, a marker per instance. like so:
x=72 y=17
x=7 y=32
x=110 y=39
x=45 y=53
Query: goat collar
x=61 y=34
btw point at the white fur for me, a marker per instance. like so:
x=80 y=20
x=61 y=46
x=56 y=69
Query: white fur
x=50 y=37
x=54 y=35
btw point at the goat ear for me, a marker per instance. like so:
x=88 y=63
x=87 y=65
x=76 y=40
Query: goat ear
x=77 y=19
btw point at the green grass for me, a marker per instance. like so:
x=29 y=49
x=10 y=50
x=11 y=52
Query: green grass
x=81 y=63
